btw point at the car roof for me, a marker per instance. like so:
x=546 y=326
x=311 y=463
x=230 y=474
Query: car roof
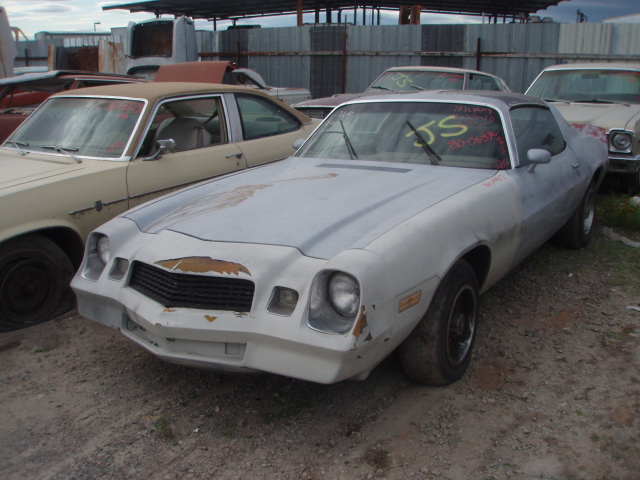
x=38 y=76
x=437 y=69
x=154 y=92
x=598 y=66
x=503 y=100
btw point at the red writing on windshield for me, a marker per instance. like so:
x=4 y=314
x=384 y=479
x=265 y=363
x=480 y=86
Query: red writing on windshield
x=123 y=106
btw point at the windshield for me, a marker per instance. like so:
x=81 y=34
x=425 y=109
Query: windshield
x=588 y=86
x=91 y=127
x=415 y=81
x=449 y=134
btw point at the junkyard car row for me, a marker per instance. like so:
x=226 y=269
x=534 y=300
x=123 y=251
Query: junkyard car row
x=88 y=155
x=380 y=233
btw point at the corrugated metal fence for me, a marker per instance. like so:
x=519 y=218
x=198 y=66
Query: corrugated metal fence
x=338 y=58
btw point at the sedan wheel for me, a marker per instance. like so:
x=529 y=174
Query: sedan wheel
x=34 y=282
x=438 y=351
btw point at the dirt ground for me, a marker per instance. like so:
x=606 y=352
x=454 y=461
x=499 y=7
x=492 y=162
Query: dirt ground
x=553 y=392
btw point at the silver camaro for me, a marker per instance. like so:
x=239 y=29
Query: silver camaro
x=379 y=234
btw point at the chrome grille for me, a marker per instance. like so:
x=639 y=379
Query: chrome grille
x=182 y=290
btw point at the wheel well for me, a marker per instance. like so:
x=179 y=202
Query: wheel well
x=480 y=260
x=598 y=175
x=68 y=240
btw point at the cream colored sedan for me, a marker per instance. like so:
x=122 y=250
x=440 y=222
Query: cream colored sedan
x=87 y=156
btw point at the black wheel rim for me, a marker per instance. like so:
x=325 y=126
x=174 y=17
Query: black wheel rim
x=461 y=325
x=28 y=288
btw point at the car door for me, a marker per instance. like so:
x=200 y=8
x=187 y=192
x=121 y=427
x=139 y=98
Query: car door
x=268 y=130
x=550 y=192
x=199 y=126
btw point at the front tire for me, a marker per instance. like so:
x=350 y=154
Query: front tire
x=576 y=233
x=630 y=182
x=438 y=351
x=34 y=282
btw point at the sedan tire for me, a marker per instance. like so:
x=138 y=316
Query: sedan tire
x=438 y=351
x=34 y=282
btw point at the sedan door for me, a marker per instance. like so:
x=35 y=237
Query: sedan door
x=268 y=130
x=198 y=128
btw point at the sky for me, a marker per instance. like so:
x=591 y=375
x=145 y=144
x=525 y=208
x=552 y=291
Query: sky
x=33 y=16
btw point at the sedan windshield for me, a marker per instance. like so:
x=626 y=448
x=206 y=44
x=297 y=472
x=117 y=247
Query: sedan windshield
x=89 y=127
x=449 y=134
x=415 y=81
x=596 y=86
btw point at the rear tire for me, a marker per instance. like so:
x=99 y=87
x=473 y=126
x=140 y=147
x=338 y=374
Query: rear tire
x=438 y=351
x=576 y=233
x=34 y=282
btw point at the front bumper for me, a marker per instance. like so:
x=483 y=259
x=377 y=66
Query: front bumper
x=621 y=165
x=257 y=340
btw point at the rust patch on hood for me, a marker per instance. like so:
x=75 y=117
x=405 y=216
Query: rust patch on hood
x=204 y=265
x=210 y=318
x=169 y=310
x=222 y=200
x=361 y=324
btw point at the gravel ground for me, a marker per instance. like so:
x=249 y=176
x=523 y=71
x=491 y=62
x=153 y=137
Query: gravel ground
x=553 y=392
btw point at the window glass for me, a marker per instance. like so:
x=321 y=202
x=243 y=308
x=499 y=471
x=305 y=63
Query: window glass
x=535 y=127
x=483 y=82
x=263 y=118
x=588 y=86
x=448 y=134
x=93 y=127
x=415 y=81
x=190 y=123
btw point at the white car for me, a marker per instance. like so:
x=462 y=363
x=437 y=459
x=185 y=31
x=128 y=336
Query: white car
x=381 y=232
x=603 y=100
x=408 y=79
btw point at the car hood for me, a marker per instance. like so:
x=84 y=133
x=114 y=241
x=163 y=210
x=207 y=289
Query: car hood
x=18 y=170
x=319 y=206
x=604 y=115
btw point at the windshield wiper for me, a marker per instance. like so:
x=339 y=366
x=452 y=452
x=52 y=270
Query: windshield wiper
x=352 y=152
x=18 y=145
x=417 y=86
x=383 y=88
x=434 y=158
x=66 y=151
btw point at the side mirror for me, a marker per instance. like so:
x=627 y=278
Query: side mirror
x=298 y=143
x=163 y=146
x=536 y=156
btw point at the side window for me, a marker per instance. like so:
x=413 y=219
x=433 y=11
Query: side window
x=262 y=117
x=483 y=82
x=535 y=127
x=191 y=123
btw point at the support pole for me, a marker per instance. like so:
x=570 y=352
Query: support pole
x=300 y=21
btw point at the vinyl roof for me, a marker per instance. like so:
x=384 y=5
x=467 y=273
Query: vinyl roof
x=224 y=9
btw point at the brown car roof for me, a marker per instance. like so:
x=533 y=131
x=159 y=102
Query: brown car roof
x=153 y=92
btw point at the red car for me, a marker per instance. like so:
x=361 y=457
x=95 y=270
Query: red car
x=21 y=95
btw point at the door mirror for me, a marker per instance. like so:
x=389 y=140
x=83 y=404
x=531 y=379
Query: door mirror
x=298 y=143
x=537 y=156
x=163 y=146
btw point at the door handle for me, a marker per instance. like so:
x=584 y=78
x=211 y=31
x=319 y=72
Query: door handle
x=237 y=155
